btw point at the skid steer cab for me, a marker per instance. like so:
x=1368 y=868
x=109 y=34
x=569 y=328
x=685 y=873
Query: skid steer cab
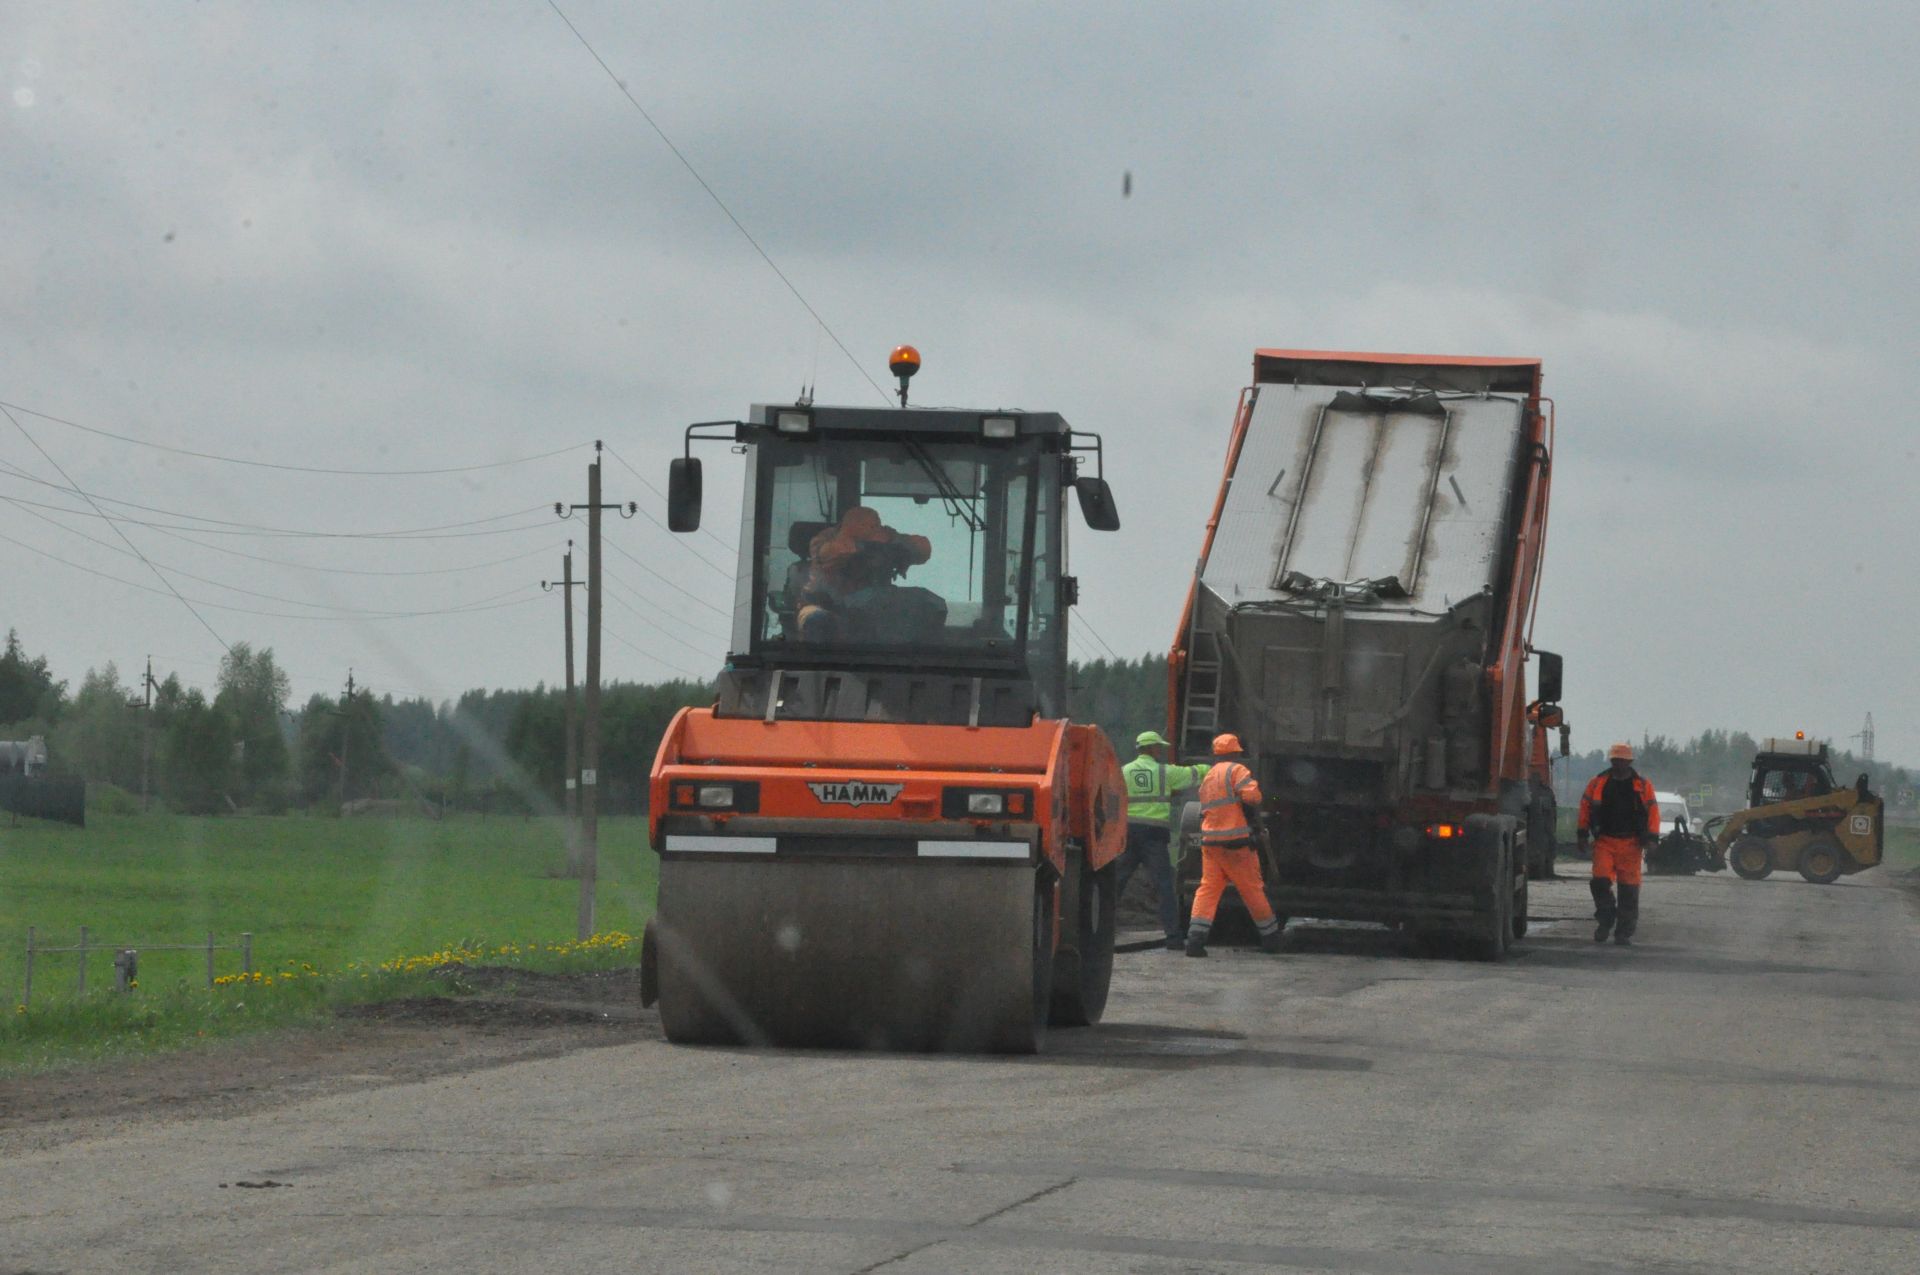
x=1799 y=820
x=886 y=833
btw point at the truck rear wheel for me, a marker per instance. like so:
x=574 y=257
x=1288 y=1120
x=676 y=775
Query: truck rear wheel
x=1822 y=862
x=1489 y=934
x=1751 y=858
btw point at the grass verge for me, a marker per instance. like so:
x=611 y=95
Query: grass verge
x=341 y=912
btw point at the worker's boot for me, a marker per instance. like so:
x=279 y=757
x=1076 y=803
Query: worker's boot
x=1604 y=910
x=1270 y=937
x=1197 y=933
x=1629 y=914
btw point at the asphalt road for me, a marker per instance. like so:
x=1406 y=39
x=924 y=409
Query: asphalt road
x=1738 y=1093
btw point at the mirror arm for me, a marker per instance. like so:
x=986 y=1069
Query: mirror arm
x=687 y=441
x=1098 y=449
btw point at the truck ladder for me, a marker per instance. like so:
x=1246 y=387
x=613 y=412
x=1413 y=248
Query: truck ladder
x=1200 y=707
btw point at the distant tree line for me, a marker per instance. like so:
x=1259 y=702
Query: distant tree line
x=242 y=748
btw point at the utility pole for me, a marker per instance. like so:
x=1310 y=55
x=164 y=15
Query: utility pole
x=146 y=733
x=346 y=733
x=590 y=717
x=1866 y=740
x=572 y=798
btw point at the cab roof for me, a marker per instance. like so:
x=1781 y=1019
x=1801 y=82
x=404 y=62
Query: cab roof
x=910 y=420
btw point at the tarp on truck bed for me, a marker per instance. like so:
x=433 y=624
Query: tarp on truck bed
x=1335 y=485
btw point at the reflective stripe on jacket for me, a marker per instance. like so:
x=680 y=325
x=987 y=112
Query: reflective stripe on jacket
x=1150 y=783
x=1225 y=794
x=1596 y=793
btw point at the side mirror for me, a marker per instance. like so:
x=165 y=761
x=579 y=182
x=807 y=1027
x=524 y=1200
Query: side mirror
x=683 y=494
x=1096 y=504
x=1547 y=681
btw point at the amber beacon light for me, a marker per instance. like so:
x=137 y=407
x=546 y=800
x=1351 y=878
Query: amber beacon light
x=904 y=361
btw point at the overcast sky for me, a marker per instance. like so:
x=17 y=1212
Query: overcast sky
x=418 y=236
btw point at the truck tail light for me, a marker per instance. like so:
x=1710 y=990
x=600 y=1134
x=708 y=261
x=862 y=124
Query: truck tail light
x=1445 y=831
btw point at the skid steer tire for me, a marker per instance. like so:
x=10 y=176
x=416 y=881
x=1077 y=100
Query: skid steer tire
x=1751 y=858
x=1822 y=862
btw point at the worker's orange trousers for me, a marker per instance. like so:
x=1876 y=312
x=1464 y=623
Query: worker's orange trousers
x=1235 y=865
x=1617 y=859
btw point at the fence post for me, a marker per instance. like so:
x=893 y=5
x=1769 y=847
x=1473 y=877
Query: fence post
x=209 y=959
x=82 y=962
x=26 y=995
x=126 y=969
x=246 y=953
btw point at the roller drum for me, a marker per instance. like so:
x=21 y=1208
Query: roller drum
x=902 y=955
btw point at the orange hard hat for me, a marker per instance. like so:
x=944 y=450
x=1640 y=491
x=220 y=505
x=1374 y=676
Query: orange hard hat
x=1620 y=752
x=1227 y=746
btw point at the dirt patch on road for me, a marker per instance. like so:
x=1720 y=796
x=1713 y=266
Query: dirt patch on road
x=499 y=1016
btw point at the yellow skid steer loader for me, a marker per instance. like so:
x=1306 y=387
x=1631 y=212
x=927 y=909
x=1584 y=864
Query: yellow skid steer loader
x=1797 y=818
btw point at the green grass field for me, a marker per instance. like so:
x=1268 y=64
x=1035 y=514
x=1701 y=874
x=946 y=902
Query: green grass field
x=314 y=892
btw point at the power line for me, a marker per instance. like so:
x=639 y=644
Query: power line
x=221 y=584
x=640 y=650
x=1081 y=617
x=640 y=597
x=117 y=531
x=349 y=571
x=293 y=469
x=641 y=616
x=719 y=202
x=287 y=534
x=276 y=615
x=678 y=539
x=254 y=527
x=670 y=584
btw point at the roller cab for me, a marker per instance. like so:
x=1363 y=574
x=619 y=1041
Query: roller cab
x=885 y=832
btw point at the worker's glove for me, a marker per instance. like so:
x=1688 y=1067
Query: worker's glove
x=1648 y=841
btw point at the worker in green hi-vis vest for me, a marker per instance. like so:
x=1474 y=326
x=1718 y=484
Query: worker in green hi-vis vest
x=1151 y=783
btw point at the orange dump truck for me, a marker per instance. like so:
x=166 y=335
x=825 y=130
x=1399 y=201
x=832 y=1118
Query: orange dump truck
x=886 y=833
x=1362 y=617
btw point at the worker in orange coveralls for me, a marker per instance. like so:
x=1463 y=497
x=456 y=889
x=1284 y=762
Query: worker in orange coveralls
x=853 y=563
x=1619 y=813
x=1229 y=802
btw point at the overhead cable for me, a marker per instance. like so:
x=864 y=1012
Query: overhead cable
x=221 y=584
x=292 y=469
x=719 y=202
x=118 y=531
x=278 y=615
x=615 y=546
x=1081 y=618
x=678 y=538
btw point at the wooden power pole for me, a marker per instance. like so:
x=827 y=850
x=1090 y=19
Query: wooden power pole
x=146 y=733
x=590 y=714
x=346 y=733
x=572 y=796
